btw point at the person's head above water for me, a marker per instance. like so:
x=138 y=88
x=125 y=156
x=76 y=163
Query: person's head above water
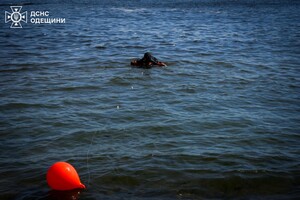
x=147 y=61
x=147 y=55
x=149 y=58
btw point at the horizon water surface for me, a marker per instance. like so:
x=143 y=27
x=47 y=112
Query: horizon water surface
x=220 y=122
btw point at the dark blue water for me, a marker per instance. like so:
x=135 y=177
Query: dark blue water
x=220 y=122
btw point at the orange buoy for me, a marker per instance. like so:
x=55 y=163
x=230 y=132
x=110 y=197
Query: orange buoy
x=63 y=176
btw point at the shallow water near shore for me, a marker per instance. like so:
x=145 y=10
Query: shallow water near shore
x=220 y=122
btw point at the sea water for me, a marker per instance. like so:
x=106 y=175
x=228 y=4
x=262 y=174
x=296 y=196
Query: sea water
x=221 y=121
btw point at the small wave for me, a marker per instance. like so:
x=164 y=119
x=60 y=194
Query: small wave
x=100 y=46
x=119 y=81
x=130 y=10
x=75 y=88
x=21 y=69
x=20 y=105
x=223 y=64
x=131 y=47
x=188 y=89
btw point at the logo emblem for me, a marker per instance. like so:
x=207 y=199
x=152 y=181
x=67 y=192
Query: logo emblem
x=16 y=17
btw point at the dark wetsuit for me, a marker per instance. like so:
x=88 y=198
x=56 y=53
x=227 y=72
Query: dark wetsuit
x=147 y=60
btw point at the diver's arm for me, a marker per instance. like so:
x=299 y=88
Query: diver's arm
x=161 y=64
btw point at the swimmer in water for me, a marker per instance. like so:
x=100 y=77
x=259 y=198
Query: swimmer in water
x=147 y=61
